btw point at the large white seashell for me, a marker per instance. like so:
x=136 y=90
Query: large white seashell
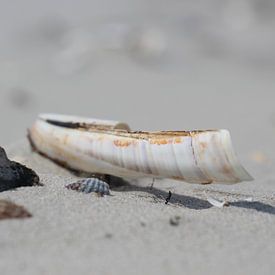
x=109 y=147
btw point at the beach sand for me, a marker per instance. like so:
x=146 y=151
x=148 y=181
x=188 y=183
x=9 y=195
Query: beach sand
x=130 y=232
x=211 y=75
x=133 y=231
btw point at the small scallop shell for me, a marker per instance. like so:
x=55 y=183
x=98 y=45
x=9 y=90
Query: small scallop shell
x=90 y=185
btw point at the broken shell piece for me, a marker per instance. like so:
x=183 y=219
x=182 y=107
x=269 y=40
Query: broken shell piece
x=217 y=203
x=90 y=185
x=108 y=147
x=14 y=174
x=249 y=199
x=9 y=210
x=77 y=122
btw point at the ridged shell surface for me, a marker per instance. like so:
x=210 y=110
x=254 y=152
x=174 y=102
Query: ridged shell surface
x=90 y=185
x=110 y=148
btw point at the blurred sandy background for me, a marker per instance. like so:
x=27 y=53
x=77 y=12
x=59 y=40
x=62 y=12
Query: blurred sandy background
x=156 y=65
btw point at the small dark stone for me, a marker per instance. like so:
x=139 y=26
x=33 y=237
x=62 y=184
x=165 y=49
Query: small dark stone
x=10 y=210
x=174 y=221
x=14 y=174
x=168 y=198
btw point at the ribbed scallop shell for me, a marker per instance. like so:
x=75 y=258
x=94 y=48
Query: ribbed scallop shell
x=111 y=148
x=90 y=185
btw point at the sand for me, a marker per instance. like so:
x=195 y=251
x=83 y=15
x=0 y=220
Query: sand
x=197 y=83
x=130 y=232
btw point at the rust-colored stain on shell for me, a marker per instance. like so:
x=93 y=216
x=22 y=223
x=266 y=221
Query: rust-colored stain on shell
x=163 y=141
x=226 y=170
x=122 y=143
x=177 y=140
x=159 y=141
x=203 y=145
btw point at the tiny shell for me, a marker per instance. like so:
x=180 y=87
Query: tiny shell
x=9 y=210
x=217 y=203
x=90 y=185
x=249 y=199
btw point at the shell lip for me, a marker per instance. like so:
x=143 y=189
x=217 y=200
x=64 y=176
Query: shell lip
x=83 y=123
x=76 y=122
x=113 y=127
x=239 y=170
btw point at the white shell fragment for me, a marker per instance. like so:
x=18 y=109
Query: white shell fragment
x=109 y=147
x=250 y=199
x=217 y=203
